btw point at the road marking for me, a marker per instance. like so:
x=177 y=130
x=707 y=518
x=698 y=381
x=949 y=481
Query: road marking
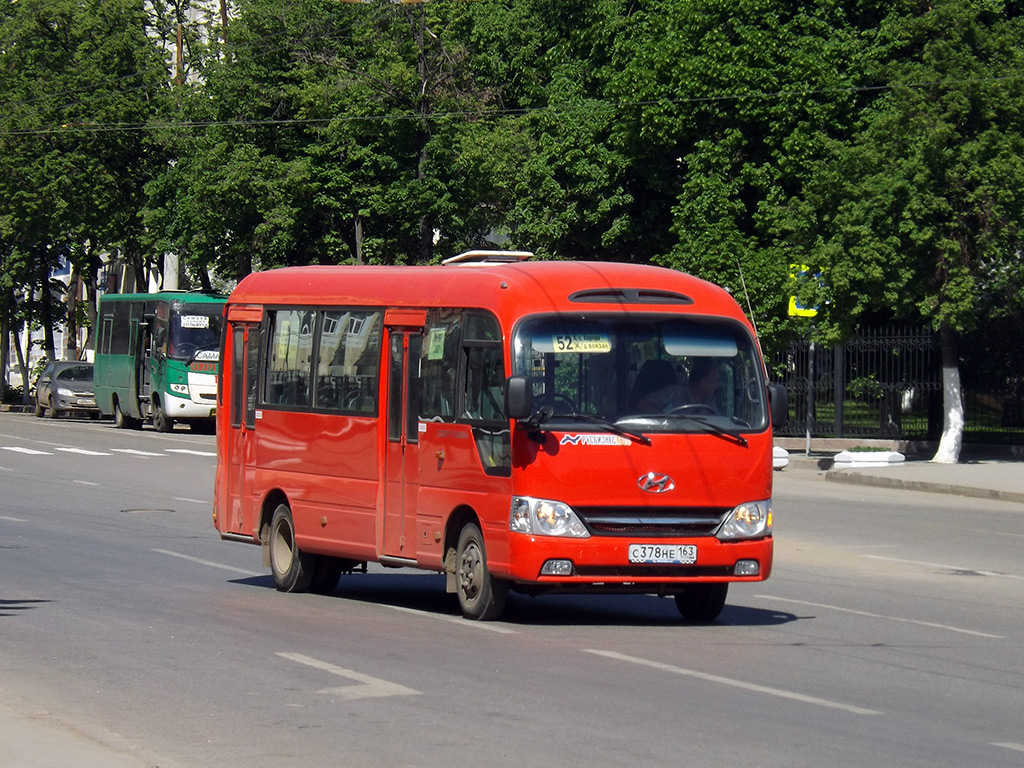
x=779 y=692
x=12 y=519
x=87 y=482
x=192 y=501
x=943 y=566
x=190 y=452
x=134 y=452
x=208 y=562
x=29 y=451
x=880 y=616
x=457 y=619
x=83 y=452
x=369 y=687
x=1009 y=745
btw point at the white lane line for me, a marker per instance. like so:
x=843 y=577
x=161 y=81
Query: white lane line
x=12 y=519
x=368 y=687
x=192 y=501
x=190 y=452
x=134 y=452
x=457 y=620
x=881 y=616
x=87 y=482
x=1009 y=745
x=207 y=562
x=779 y=692
x=944 y=567
x=83 y=452
x=28 y=451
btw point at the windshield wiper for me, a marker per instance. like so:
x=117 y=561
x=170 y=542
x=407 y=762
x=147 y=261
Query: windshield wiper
x=712 y=428
x=547 y=412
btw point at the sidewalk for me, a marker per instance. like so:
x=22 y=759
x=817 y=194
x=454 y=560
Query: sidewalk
x=34 y=738
x=984 y=478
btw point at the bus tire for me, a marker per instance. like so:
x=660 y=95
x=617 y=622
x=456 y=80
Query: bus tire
x=161 y=421
x=292 y=569
x=121 y=421
x=702 y=602
x=481 y=596
x=326 y=573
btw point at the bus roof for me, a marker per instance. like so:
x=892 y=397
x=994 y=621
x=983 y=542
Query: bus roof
x=508 y=289
x=199 y=297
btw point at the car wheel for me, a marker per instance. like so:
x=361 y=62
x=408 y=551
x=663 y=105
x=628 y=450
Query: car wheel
x=40 y=410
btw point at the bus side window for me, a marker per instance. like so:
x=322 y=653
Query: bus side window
x=348 y=361
x=439 y=362
x=485 y=370
x=291 y=350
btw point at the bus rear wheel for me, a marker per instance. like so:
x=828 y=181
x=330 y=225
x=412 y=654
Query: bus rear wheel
x=481 y=596
x=292 y=569
x=122 y=420
x=702 y=602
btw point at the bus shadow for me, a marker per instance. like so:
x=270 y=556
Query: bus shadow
x=425 y=593
x=14 y=607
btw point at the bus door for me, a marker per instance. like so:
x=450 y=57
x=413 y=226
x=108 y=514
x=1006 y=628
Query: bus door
x=401 y=457
x=242 y=379
x=141 y=356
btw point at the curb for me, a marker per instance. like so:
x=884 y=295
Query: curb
x=921 y=485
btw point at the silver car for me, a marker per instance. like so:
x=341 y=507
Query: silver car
x=64 y=387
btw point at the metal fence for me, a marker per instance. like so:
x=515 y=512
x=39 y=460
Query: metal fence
x=887 y=384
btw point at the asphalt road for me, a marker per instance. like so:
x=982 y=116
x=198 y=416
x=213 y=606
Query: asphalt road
x=889 y=634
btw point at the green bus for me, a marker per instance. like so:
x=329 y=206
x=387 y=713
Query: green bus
x=158 y=358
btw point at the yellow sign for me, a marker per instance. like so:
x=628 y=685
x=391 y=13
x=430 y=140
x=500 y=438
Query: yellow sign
x=796 y=309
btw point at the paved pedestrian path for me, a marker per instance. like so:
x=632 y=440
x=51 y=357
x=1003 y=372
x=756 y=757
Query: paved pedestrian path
x=985 y=478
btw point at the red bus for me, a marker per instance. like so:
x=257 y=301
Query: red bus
x=534 y=426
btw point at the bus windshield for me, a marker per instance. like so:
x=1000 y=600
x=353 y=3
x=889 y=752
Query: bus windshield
x=195 y=332
x=654 y=373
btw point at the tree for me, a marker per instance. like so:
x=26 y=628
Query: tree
x=79 y=80
x=729 y=107
x=920 y=212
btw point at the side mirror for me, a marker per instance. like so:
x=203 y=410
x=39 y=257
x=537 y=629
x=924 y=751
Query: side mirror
x=778 y=404
x=518 y=398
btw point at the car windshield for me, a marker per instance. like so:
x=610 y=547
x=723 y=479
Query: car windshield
x=81 y=373
x=646 y=373
x=195 y=332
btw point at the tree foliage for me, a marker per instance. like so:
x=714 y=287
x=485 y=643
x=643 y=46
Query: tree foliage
x=878 y=144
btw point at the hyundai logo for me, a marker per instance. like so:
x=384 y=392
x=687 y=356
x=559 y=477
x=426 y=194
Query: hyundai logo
x=655 y=483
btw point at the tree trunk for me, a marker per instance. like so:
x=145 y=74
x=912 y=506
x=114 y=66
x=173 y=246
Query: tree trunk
x=952 y=401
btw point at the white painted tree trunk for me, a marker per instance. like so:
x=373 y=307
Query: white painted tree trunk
x=952 y=404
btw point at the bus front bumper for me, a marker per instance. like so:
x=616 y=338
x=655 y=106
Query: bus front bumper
x=185 y=408
x=541 y=564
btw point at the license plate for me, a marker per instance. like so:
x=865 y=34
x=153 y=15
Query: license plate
x=682 y=554
x=87 y=401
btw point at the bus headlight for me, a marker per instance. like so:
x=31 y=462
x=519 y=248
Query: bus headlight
x=751 y=520
x=542 y=517
x=179 y=389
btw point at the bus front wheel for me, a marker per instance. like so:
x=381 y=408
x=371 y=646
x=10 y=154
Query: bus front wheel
x=702 y=602
x=161 y=421
x=292 y=569
x=481 y=596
